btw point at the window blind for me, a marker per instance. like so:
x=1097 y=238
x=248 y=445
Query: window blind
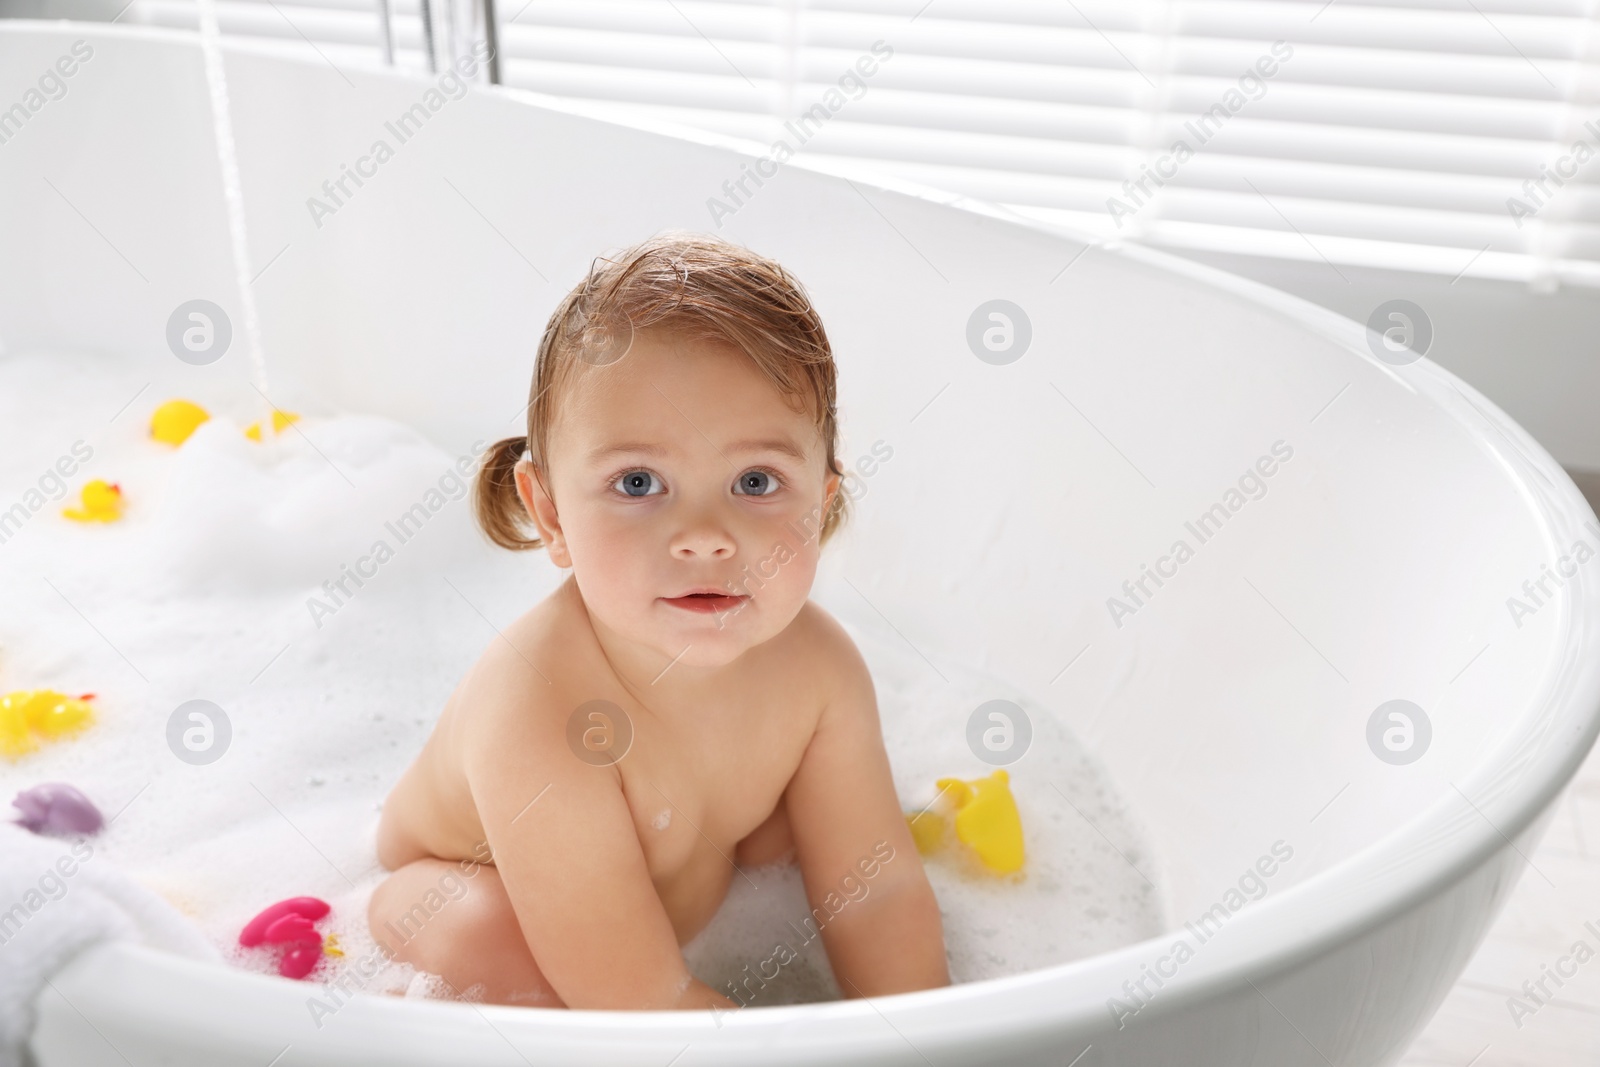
x=1455 y=136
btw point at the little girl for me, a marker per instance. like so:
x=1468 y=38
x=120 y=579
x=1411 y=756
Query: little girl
x=677 y=708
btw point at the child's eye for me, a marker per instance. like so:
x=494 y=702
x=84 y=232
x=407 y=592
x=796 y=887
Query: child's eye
x=757 y=483
x=639 y=483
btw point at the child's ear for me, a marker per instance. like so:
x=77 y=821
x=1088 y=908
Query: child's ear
x=541 y=508
x=830 y=489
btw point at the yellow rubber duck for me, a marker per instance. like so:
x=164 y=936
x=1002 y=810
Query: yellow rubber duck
x=929 y=830
x=101 y=502
x=175 y=420
x=281 y=420
x=15 y=738
x=986 y=820
x=42 y=712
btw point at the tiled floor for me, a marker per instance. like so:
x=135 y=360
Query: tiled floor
x=1536 y=936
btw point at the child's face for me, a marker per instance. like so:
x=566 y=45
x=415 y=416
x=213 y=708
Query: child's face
x=681 y=470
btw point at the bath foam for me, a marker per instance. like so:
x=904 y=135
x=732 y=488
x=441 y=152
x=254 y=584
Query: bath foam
x=201 y=592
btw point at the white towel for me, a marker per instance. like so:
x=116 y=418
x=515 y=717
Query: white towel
x=57 y=898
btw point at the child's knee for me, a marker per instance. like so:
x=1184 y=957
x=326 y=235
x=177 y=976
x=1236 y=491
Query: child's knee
x=404 y=905
x=427 y=908
x=484 y=910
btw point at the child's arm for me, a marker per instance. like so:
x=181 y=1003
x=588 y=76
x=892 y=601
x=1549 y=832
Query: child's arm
x=883 y=932
x=573 y=866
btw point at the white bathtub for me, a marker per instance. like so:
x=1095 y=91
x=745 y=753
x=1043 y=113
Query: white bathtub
x=1231 y=708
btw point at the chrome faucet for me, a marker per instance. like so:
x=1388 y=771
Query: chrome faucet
x=386 y=32
x=430 y=36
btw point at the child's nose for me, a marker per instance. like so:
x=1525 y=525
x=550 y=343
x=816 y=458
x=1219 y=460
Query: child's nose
x=702 y=538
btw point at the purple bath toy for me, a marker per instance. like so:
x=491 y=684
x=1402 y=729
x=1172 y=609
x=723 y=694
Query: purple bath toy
x=57 y=809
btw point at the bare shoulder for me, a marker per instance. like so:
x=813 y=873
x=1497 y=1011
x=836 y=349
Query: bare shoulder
x=519 y=686
x=502 y=722
x=827 y=648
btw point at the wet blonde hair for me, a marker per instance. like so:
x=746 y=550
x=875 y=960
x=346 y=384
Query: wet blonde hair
x=698 y=287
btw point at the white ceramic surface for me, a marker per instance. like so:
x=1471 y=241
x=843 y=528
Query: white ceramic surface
x=1231 y=709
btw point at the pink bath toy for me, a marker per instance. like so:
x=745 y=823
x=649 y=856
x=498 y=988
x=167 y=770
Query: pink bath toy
x=292 y=928
x=289 y=922
x=300 y=960
x=57 y=809
x=255 y=931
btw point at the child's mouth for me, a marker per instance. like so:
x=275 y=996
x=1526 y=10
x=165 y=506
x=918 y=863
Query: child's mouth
x=706 y=603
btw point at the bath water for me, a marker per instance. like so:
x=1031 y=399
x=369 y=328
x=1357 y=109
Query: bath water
x=202 y=590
